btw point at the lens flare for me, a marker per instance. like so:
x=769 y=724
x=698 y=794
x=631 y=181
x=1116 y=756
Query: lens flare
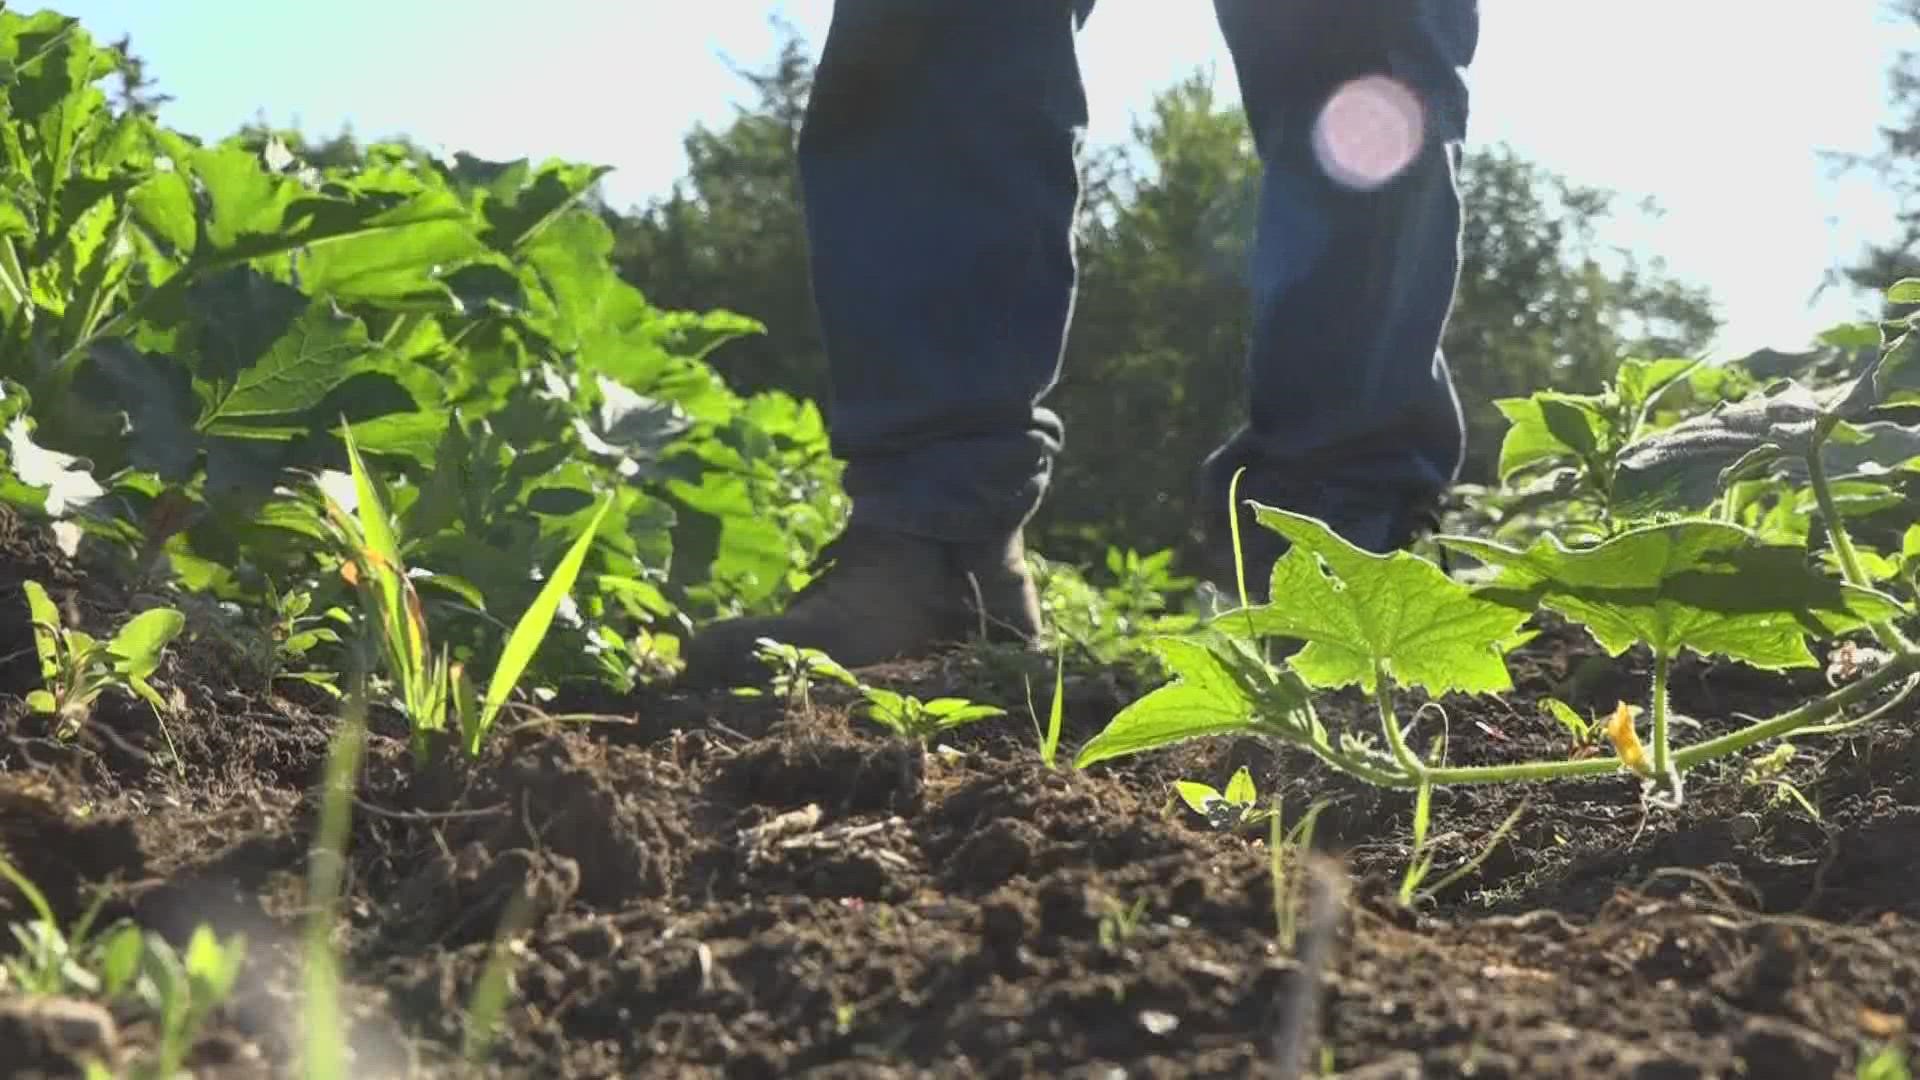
x=1368 y=132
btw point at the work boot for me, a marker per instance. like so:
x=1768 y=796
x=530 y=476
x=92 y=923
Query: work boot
x=1380 y=521
x=883 y=595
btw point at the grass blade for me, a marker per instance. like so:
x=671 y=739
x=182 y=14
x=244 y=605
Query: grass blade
x=532 y=628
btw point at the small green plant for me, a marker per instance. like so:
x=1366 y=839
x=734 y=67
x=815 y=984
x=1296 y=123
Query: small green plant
x=1119 y=924
x=126 y=962
x=182 y=989
x=1671 y=582
x=431 y=685
x=277 y=637
x=1049 y=736
x=1766 y=771
x=1288 y=886
x=1579 y=728
x=1109 y=624
x=1237 y=807
x=913 y=718
x=291 y=633
x=51 y=961
x=76 y=668
x=795 y=670
x=1571 y=444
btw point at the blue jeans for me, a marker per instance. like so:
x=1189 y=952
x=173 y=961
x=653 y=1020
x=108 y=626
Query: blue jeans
x=939 y=179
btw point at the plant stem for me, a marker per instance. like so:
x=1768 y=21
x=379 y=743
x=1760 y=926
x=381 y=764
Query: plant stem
x=1383 y=697
x=1902 y=667
x=1662 y=747
x=1357 y=768
x=1888 y=634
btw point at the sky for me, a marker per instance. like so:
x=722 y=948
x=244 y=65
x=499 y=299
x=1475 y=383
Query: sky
x=1717 y=110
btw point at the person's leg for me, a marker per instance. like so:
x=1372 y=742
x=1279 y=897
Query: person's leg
x=939 y=182
x=1358 y=111
x=939 y=179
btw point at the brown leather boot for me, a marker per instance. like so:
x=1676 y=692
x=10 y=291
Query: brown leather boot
x=885 y=596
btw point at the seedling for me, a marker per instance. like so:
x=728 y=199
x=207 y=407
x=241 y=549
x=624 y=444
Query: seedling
x=1288 y=886
x=1767 y=771
x=51 y=961
x=1235 y=808
x=796 y=669
x=1579 y=729
x=181 y=988
x=278 y=636
x=432 y=686
x=1118 y=925
x=1049 y=736
x=124 y=963
x=913 y=718
x=76 y=668
x=291 y=633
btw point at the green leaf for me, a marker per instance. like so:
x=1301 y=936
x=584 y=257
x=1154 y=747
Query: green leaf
x=1549 y=426
x=376 y=533
x=1640 y=381
x=163 y=208
x=517 y=211
x=156 y=396
x=246 y=205
x=254 y=213
x=315 y=353
x=1896 y=377
x=212 y=965
x=1198 y=797
x=145 y=691
x=46 y=628
x=1905 y=291
x=589 y=309
x=1358 y=612
x=41 y=701
x=139 y=643
x=120 y=960
x=405 y=252
x=1207 y=697
x=525 y=640
x=1707 y=586
x=1575 y=724
x=1240 y=790
x=1686 y=465
x=954 y=712
x=641 y=426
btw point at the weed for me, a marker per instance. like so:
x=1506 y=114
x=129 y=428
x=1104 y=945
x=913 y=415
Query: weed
x=76 y=668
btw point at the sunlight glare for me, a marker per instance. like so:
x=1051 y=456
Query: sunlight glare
x=1368 y=132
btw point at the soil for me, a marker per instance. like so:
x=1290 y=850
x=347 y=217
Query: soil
x=709 y=885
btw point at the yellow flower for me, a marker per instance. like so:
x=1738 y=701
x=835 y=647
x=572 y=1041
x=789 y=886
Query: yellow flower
x=1626 y=741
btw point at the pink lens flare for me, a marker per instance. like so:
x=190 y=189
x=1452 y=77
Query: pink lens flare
x=1369 y=131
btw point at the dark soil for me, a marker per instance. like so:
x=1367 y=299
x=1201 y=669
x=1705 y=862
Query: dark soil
x=712 y=886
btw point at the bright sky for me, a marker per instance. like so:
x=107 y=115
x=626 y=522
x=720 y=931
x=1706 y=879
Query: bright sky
x=1714 y=108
